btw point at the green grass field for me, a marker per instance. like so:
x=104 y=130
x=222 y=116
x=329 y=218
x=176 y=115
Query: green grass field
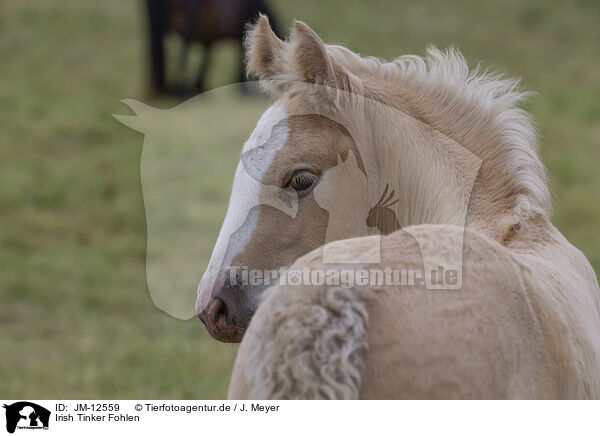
x=76 y=319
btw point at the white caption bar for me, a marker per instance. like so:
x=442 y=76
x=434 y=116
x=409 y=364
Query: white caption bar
x=299 y=417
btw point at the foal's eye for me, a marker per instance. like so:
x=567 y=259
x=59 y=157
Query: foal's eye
x=302 y=180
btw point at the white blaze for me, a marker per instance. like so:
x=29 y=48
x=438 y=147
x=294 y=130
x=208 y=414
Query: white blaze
x=247 y=192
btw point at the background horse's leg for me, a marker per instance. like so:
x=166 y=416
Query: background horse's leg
x=156 y=29
x=181 y=87
x=206 y=54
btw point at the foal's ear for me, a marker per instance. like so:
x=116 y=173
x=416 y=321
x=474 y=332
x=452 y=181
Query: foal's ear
x=264 y=50
x=304 y=58
x=309 y=56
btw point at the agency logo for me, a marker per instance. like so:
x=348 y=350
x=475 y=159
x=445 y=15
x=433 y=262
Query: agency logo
x=26 y=415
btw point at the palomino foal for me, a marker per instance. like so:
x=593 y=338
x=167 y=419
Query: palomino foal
x=397 y=166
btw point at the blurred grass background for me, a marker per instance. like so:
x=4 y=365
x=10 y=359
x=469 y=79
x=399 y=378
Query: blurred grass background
x=76 y=320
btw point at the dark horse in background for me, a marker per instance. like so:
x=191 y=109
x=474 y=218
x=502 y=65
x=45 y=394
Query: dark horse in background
x=202 y=21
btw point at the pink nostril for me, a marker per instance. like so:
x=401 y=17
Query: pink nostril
x=216 y=310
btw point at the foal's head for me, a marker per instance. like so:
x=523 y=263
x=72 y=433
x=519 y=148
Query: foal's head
x=275 y=213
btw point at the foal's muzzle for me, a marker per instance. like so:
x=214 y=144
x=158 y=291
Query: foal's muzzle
x=229 y=311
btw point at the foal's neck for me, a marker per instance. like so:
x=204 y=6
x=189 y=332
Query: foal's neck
x=432 y=175
x=437 y=180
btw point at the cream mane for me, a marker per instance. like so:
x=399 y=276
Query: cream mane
x=477 y=109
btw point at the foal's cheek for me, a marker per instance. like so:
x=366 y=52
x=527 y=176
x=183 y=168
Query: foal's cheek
x=279 y=239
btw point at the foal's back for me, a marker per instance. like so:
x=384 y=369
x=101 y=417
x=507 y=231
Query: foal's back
x=480 y=341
